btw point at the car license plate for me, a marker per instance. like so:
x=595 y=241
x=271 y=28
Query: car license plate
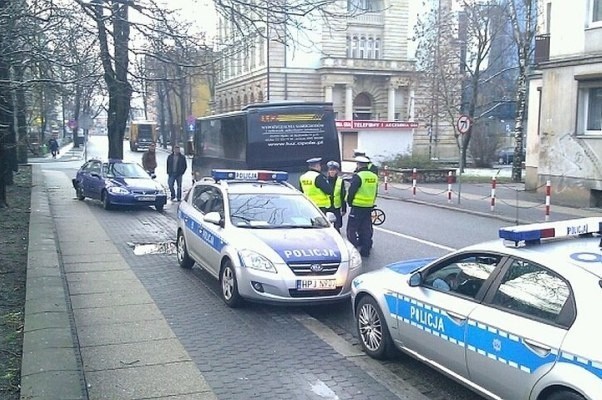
x=146 y=198
x=316 y=284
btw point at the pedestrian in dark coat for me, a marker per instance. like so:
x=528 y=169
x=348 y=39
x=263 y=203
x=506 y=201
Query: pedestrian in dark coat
x=176 y=166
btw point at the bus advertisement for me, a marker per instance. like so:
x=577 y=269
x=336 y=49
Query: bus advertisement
x=142 y=134
x=270 y=136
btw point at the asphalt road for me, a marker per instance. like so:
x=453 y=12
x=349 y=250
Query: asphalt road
x=410 y=231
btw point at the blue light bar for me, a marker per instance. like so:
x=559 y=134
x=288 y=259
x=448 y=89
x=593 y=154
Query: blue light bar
x=248 y=175
x=550 y=230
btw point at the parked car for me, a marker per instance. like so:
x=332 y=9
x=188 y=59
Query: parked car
x=118 y=182
x=511 y=319
x=264 y=240
x=505 y=155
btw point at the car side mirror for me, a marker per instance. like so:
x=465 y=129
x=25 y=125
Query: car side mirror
x=331 y=217
x=415 y=279
x=95 y=174
x=214 y=218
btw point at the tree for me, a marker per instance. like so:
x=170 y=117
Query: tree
x=522 y=13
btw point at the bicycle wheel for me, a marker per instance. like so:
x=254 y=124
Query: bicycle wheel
x=378 y=216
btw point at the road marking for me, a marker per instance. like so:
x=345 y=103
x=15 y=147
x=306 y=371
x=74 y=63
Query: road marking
x=428 y=243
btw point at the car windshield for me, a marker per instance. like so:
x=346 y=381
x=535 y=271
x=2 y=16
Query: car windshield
x=124 y=170
x=274 y=211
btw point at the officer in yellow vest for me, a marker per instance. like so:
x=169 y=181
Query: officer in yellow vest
x=338 y=206
x=371 y=166
x=315 y=186
x=361 y=198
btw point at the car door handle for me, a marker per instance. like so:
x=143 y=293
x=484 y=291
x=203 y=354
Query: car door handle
x=540 y=349
x=457 y=318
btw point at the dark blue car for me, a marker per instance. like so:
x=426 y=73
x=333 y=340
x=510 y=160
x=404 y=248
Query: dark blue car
x=118 y=182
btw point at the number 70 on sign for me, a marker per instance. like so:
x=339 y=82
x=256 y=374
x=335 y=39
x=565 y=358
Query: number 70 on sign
x=463 y=123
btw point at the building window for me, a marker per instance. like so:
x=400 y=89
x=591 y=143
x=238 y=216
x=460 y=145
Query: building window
x=590 y=108
x=362 y=50
x=596 y=10
x=362 y=107
x=370 y=47
x=355 y=47
x=253 y=55
x=364 y=5
x=349 y=48
x=377 y=48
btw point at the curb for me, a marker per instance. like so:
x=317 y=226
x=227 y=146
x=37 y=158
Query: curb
x=51 y=364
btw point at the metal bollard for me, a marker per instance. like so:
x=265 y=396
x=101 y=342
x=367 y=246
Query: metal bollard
x=414 y=182
x=548 y=194
x=449 y=186
x=386 y=178
x=493 y=183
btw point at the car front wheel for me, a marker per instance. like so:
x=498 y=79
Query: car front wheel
x=229 y=285
x=372 y=329
x=565 y=395
x=182 y=252
x=106 y=201
x=79 y=192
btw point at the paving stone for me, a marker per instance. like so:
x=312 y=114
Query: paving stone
x=127 y=332
x=52 y=385
x=131 y=296
x=115 y=315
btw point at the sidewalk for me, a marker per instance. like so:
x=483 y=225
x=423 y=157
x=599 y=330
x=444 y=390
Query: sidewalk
x=91 y=329
x=66 y=153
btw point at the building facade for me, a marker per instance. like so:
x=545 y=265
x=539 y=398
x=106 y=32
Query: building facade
x=564 y=140
x=358 y=61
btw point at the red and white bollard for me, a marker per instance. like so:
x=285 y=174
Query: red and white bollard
x=386 y=178
x=548 y=193
x=450 y=178
x=493 y=183
x=414 y=182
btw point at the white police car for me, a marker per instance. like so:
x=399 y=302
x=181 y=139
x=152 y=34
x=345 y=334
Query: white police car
x=264 y=240
x=510 y=322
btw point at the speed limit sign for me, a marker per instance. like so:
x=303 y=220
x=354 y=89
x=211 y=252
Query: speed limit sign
x=463 y=124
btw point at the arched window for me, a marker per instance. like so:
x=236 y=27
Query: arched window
x=362 y=52
x=377 y=48
x=370 y=47
x=362 y=106
x=355 y=47
x=245 y=100
x=349 y=48
x=252 y=97
x=260 y=97
x=221 y=105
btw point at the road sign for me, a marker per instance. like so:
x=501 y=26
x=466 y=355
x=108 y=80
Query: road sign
x=72 y=124
x=463 y=124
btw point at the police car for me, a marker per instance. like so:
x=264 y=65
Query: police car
x=264 y=240
x=516 y=318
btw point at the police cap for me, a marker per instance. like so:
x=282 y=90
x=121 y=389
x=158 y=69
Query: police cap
x=362 y=160
x=333 y=164
x=314 y=160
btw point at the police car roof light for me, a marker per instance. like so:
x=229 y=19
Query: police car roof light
x=534 y=233
x=248 y=175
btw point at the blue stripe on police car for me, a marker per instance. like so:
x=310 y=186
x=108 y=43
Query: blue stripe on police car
x=214 y=241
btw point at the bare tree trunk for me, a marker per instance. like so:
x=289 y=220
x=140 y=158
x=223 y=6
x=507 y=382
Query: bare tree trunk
x=521 y=105
x=7 y=132
x=21 y=111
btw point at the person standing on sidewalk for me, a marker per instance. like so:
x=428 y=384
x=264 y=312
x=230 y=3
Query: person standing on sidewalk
x=176 y=166
x=361 y=199
x=315 y=186
x=338 y=205
x=53 y=144
x=149 y=159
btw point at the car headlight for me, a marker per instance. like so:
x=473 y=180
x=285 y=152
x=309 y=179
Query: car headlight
x=118 y=190
x=251 y=259
x=355 y=259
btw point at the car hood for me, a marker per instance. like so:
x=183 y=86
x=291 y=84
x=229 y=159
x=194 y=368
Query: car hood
x=136 y=183
x=408 y=266
x=303 y=245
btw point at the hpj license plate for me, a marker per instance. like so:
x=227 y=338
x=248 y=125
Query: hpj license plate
x=146 y=198
x=316 y=284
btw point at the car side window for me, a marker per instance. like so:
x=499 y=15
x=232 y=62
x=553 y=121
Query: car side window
x=201 y=198
x=528 y=288
x=463 y=275
x=95 y=168
x=217 y=202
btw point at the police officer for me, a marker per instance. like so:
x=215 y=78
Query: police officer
x=338 y=206
x=371 y=166
x=361 y=198
x=315 y=186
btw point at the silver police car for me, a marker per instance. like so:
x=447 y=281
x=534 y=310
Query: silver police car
x=511 y=319
x=264 y=240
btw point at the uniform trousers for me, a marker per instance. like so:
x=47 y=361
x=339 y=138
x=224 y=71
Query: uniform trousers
x=359 y=229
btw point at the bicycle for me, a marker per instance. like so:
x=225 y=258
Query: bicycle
x=377 y=216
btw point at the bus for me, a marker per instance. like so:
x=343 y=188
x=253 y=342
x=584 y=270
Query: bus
x=270 y=136
x=142 y=134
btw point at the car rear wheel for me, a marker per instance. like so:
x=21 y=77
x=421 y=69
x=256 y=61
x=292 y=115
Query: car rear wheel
x=106 y=202
x=565 y=395
x=182 y=252
x=229 y=285
x=372 y=329
x=159 y=207
x=79 y=192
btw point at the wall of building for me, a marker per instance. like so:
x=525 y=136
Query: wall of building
x=533 y=134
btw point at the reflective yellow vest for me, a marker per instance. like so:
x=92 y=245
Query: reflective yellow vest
x=315 y=194
x=337 y=202
x=366 y=194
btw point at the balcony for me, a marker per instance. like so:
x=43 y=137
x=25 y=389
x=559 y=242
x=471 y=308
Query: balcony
x=542 y=48
x=366 y=64
x=367 y=18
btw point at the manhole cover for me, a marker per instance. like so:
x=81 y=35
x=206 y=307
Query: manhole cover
x=141 y=249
